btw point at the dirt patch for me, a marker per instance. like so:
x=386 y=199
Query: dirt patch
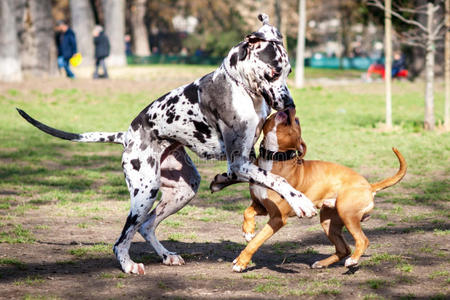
x=69 y=260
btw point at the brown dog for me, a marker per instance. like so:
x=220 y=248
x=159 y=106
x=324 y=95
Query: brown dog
x=344 y=197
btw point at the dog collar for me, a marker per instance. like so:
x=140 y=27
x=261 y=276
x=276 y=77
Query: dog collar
x=278 y=156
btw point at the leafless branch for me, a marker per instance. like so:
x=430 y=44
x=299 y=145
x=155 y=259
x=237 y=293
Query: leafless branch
x=437 y=29
x=418 y=10
x=414 y=44
x=377 y=3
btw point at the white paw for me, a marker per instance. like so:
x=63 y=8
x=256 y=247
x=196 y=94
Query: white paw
x=350 y=262
x=248 y=236
x=302 y=206
x=317 y=265
x=172 y=259
x=134 y=268
x=238 y=268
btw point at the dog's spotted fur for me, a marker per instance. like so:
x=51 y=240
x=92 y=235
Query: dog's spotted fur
x=217 y=116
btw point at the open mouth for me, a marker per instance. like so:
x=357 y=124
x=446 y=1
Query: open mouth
x=286 y=116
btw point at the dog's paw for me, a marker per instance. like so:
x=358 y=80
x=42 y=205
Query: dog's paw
x=173 y=259
x=239 y=265
x=248 y=236
x=317 y=265
x=302 y=206
x=238 y=269
x=134 y=268
x=350 y=262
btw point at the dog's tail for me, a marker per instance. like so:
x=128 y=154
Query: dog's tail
x=377 y=186
x=87 y=137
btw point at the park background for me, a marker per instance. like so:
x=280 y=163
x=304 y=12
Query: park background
x=62 y=205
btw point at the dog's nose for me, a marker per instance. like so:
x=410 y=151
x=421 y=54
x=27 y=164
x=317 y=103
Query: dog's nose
x=288 y=102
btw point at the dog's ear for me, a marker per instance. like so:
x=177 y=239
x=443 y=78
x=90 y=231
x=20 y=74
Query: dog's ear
x=255 y=37
x=302 y=149
x=243 y=50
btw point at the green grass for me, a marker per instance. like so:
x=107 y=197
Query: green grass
x=12 y=261
x=94 y=250
x=30 y=281
x=376 y=283
x=379 y=258
x=40 y=297
x=18 y=235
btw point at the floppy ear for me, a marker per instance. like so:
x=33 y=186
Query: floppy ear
x=302 y=149
x=243 y=50
x=255 y=37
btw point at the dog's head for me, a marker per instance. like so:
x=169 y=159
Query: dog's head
x=282 y=132
x=262 y=63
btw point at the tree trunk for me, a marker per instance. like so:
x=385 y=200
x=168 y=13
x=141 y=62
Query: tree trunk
x=280 y=23
x=447 y=67
x=141 y=45
x=416 y=65
x=388 y=62
x=10 y=69
x=36 y=37
x=300 y=59
x=83 y=24
x=114 y=11
x=429 y=69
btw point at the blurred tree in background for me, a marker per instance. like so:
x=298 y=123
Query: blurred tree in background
x=334 y=28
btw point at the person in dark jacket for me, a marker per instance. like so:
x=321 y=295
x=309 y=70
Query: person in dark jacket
x=398 y=64
x=67 y=46
x=101 y=43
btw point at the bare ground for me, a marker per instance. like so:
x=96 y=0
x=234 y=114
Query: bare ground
x=413 y=257
x=71 y=257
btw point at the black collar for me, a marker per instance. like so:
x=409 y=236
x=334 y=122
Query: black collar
x=278 y=156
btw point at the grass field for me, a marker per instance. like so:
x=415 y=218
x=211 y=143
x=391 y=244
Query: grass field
x=62 y=204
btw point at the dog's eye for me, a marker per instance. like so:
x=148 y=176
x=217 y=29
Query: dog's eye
x=290 y=70
x=297 y=121
x=275 y=76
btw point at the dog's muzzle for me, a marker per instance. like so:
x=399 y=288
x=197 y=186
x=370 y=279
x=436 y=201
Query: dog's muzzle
x=288 y=102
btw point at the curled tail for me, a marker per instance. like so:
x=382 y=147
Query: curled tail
x=87 y=137
x=377 y=186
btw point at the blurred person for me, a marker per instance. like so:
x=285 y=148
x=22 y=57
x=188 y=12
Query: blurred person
x=398 y=68
x=67 y=46
x=102 y=47
x=128 y=51
x=398 y=64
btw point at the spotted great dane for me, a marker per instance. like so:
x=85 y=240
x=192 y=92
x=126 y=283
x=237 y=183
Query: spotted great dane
x=218 y=116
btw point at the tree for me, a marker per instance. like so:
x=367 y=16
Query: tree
x=114 y=13
x=10 y=69
x=388 y=63
x=139 y=31
x=422 y=36
x=83 y=24
x=36 y=37
x=300 y=58
x=447 y=67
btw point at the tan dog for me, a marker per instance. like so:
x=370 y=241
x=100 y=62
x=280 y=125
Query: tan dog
x=344 y=197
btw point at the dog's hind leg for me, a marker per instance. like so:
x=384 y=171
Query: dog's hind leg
x=332 y=225
x=179 y=184
x=351 y=215
x=142 y=174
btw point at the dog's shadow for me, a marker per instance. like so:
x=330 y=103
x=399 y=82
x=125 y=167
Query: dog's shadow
x=290 y=260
